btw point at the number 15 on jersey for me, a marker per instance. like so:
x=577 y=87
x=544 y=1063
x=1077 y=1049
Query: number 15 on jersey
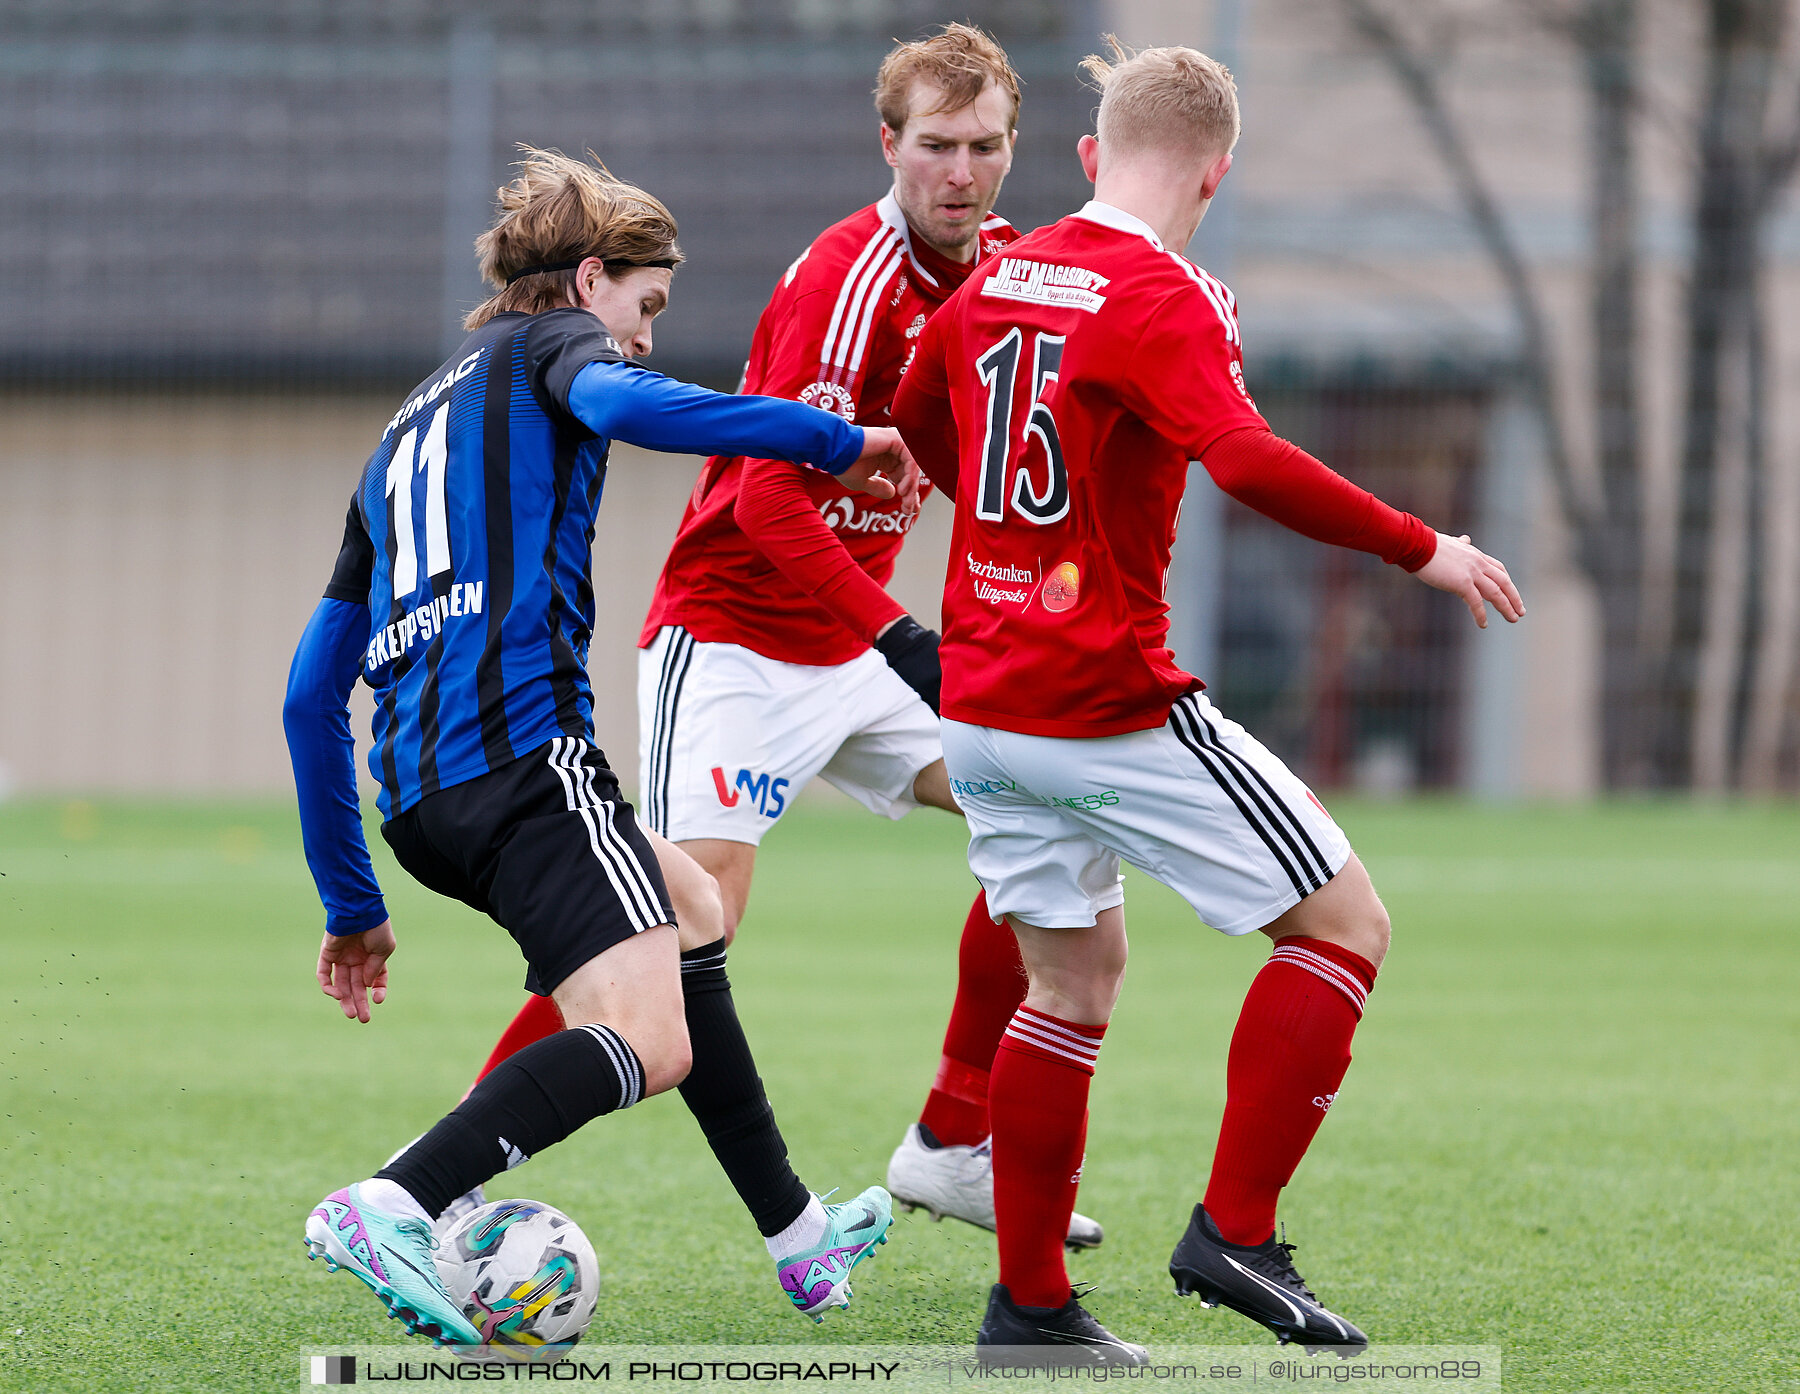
x=1004 y=459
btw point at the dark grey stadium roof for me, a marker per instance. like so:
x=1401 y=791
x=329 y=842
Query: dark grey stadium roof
x=287 y=189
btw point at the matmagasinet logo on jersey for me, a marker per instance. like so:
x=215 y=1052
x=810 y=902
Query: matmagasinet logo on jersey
x=768 y=796
x=833 y=397
x=1237 y=376
x=1046 y=283
x=841 y=515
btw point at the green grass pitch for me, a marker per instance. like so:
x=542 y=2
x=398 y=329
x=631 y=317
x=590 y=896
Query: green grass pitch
x=1570 y=1131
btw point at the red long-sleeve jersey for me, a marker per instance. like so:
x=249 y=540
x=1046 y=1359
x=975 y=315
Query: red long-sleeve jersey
x=779 y=557
x=1059 y=397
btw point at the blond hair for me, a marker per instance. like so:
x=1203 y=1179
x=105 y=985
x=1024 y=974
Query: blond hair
x=960 y=62
x=1173 y=99
x=563 y=210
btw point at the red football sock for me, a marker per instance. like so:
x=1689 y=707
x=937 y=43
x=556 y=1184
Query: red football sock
x=990 y=984
x=537 y=1019
x=1288 y=1056
x=1039 y=1107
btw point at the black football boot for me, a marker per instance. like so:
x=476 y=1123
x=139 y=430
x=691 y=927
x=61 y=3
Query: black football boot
x=1258 y=1281
x=1036 y=1337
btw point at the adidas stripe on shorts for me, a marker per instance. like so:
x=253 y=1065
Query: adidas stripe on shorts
x=548 y=846
x=728 y=738
x=1198 y=803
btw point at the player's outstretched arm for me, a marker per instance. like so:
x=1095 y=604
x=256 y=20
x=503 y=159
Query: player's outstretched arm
x=1461 y=568
x=316 y=716
x=621 y=401
x=777 y=513
x=1283 y=482
x=353 y=969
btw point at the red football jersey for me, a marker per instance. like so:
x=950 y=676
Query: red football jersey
x=839 y=330
x=1085 y=367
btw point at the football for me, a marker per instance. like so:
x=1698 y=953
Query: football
x=525 y=1276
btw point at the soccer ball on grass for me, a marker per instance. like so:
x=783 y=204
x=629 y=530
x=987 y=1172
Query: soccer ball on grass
x=524 y=1275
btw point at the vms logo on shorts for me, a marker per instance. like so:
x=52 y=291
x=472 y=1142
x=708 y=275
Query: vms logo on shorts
x=769 y=795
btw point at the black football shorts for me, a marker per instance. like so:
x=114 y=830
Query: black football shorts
x=546 y=845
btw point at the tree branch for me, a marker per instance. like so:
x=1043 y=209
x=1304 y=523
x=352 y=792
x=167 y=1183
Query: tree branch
x=1780 y=159
x=1420 y=85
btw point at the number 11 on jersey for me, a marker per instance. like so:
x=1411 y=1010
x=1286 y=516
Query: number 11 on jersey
x=433 y=456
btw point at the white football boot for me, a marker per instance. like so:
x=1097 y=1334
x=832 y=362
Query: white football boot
x=951 y=1179
x=465 y=1204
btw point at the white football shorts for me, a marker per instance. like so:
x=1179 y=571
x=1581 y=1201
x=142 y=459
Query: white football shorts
x=1198 y=803
x=727 y=738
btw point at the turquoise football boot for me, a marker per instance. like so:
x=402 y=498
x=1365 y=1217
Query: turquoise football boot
x=818 y=1278
x=392 y=1255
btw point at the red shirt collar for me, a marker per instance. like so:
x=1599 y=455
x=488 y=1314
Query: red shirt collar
x=938 y=276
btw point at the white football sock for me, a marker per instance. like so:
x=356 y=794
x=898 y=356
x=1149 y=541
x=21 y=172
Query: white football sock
x=805 y=1231
x=393 y=1199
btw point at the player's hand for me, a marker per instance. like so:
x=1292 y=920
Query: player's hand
x=911 y=650
x=353 y=968
x=885 y=469
x=1460 y=567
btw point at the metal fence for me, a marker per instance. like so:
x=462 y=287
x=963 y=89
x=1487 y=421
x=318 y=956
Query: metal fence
x=1354 y=672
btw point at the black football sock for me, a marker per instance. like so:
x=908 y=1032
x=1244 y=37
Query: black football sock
x=726 y=1097
x=523 y=1105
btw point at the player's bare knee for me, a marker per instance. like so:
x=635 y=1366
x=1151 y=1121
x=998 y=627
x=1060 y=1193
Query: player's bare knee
x=732 y=903
x=1360 y=921
x=1086 y=994
x=660 y=1040
x=670 y=1059
x=1089 y=1001
x=1376 y=931
x=700 y=911
x=732 y=909
x=1355 y=920
x=660 y=1044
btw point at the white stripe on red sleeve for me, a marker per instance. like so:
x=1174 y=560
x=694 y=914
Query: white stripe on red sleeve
x=1211 y=289
x=848 y=353
x=851 y=278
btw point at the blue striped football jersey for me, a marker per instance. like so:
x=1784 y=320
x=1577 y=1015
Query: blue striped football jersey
x=469 y=539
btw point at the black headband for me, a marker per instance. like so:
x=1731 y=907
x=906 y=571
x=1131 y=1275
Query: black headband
x=668 y=263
